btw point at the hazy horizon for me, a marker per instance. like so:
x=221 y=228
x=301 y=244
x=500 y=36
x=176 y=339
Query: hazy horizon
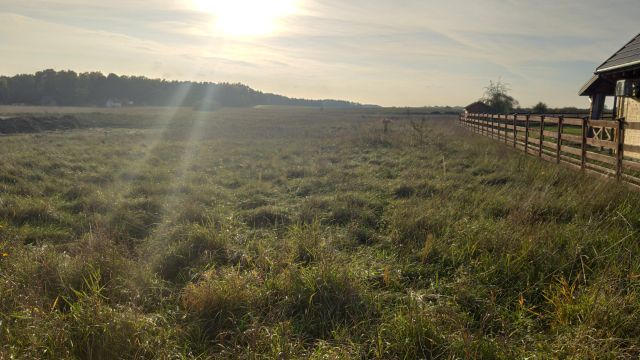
x=408 y=53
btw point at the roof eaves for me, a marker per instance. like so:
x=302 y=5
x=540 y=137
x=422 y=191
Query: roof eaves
x=615 y=67
x=587 y=85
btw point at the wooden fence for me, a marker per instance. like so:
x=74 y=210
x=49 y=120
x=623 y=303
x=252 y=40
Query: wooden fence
x=592 y=146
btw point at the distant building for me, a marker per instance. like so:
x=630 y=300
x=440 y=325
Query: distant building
x=478 y=107
x=113 y=103
x=618 y=77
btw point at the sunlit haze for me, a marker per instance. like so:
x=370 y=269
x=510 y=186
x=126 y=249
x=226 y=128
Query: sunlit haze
x=247 y=17
x=412 y=52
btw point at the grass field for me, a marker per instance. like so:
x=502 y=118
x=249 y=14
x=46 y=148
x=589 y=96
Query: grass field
x=293 y=233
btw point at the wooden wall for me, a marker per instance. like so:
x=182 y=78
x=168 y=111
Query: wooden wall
x=629 y=109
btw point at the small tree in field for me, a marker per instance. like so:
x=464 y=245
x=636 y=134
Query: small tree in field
x=540 y=108
x=496 y=95
x=420 y=129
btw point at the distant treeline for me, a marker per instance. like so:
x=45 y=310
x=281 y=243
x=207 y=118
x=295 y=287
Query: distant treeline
x=68 y=88
x=426 y=110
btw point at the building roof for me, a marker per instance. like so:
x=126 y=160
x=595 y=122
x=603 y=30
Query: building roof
x=478 y=107
x=628 y=56
x=597 y=85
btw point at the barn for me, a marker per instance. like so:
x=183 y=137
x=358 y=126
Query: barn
x=478 y=107
x=619 y=77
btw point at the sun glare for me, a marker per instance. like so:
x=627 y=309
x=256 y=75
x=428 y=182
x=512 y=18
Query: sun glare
x=247 y=17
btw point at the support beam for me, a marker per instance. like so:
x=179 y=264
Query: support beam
x=597 y=106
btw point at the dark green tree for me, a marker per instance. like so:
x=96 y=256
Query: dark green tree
x=496 y=95
x=66 y=87
x=22 y=89
x=540 y=108
x=4 y=90
x=94 y=89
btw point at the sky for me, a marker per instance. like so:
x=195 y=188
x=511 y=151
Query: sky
x=390 y=53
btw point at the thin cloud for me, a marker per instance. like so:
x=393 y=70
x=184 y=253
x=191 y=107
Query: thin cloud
x=410 y=52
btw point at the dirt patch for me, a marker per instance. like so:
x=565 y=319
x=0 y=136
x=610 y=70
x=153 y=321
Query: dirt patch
x=35 y=124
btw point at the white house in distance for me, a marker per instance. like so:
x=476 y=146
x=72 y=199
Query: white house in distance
x=113 y=103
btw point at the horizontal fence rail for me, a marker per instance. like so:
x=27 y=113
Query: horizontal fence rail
x=592 y=146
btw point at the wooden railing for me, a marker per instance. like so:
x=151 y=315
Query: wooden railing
x=592 y=146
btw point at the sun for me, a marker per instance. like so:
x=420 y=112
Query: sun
x=247 y=17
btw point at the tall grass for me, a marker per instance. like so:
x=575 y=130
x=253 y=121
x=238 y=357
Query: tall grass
x=307 y=234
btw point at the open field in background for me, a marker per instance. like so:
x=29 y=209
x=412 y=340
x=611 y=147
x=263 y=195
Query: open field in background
x=301 y=233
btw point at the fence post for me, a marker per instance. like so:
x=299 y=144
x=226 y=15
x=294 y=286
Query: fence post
x=489 y=126
x=559 y=138
x=541 y=134
x=485 y=123
x=515 y=131
x=476 y=128
x=493 y=126
x=583 y=148
x=506 y=127
x=487 y=131
x=526 y=134
x=620 y=152
x=493 y=130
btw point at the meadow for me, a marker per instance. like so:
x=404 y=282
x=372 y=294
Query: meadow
x=284 y=233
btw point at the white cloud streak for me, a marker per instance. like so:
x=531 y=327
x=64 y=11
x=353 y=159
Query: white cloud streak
x=405 y=52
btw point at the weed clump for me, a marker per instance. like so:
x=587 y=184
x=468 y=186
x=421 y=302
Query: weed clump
x=188 y=248
x=295 y=173
x=266 y=216
x=410 y=334
x=404 y=191
x=323 y=298
x=134 y=220
x=355 y=208
x=221 y=303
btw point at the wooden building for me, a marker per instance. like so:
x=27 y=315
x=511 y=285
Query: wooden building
x=619 y=77
x=478 y=107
